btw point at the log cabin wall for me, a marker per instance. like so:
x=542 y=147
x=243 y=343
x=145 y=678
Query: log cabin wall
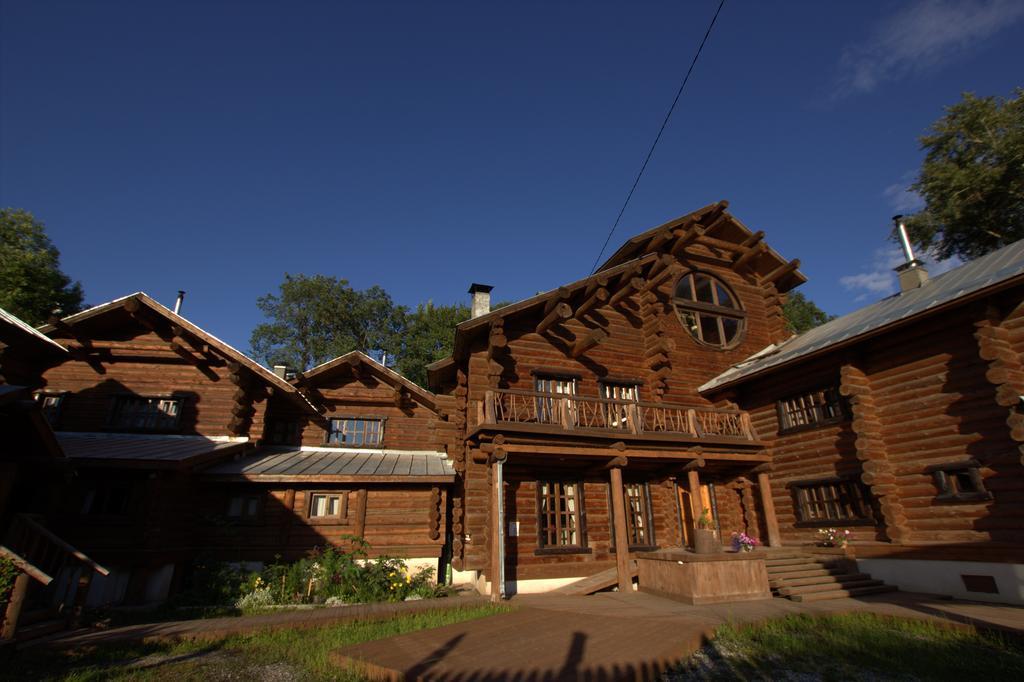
x=396 y=520
x=923 y=398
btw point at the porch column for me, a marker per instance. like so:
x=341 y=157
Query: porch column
x=497 y=529
x=696 y=506
x=18 y=592
x=621 y=535
x=768 y=504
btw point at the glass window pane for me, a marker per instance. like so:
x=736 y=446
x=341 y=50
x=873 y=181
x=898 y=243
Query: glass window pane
x=252 y=507
x=685 y=288
x=703 y=287
x=724 y=299
x=235 y=506
x=709 y=329
x=731 y=328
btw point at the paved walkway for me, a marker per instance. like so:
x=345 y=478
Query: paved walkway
x=612 y=636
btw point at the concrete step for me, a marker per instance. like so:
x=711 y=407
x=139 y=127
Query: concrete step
x=819 y=579
x=803 y=572
x=828 y=587
x=788 y=561
x=841 y=594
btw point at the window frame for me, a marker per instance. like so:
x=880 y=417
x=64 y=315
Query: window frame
x=290 y=428
x=611 y=413
x=579 y=515
x=343 y=507
x=382 y=421
x=545 y=403
x=945 y=480
x=715 y=309
x=840 y=406
x=856 y=495
x=89 y=495
x=116 y=412
x=256 y=517
x=647 y=512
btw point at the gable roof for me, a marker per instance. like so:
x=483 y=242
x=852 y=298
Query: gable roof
x=389 y=375
x=15 y=327
x=147 y=450
x=996 y=270
x=173 y=318
x=337 y=465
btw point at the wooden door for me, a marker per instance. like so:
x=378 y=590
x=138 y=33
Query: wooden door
x=687 y=522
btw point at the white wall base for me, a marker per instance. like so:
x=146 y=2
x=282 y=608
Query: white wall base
x=464 y=577
x=943 y=577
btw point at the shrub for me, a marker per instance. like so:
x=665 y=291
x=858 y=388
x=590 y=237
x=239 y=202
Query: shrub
x=8 y=574
x=259 y=598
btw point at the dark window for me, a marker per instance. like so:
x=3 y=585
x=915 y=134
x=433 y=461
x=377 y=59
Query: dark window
x=135 y=413
x=328 y=505
x=832 y=501
x=355 y=433
x=814 y=408
x=50 y=404
x=559 y=505
x=245 y=507
x=282 y=432
x=109 y=500
x=960 y=482
x=708 y=310
x=639 y=519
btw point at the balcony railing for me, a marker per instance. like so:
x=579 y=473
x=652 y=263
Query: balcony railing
x=574 y=413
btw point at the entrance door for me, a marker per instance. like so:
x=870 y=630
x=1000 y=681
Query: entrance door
x=707 y=501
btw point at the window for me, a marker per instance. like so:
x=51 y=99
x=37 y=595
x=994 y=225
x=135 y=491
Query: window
x=549 y=410
x=282 y=432
x=816 y=408
x=708 y=310
x=134 y=413
x=244 y=507
x=560 y=524
x=833 y=500
x=616 y=414
x=356 y=433
x=328 y=505
x=108 y=500
x=639 y=519
x=960 y=482
x=50 y=404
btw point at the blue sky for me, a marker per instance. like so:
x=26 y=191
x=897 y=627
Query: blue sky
x=215 y=146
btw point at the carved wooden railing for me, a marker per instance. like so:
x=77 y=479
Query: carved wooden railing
x=573 y=412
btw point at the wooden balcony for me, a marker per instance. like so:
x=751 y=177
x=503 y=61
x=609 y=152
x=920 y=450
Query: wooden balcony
x=573 y=413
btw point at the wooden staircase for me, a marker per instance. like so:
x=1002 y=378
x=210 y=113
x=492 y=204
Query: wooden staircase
x=804 y=577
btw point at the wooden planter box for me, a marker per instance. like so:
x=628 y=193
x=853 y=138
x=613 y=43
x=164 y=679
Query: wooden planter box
x=704 y=578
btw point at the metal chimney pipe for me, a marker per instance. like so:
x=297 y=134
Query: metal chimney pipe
x=901 y=229
x=177 y=304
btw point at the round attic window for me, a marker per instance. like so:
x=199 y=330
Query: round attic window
x=709 y=310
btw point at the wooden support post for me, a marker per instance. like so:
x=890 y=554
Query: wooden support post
x=696 y=506
x=18 y=592
x=768 y=506
x=621 y=535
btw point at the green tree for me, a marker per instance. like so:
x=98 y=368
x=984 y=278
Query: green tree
x=972 y=178
x=802 y=313
x=313 y=319
x=32 y=285
x=429 y=335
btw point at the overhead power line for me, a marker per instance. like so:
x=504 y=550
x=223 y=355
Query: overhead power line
x=661 y=130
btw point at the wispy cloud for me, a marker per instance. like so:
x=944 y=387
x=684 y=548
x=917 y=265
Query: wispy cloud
x=901 y=198
x=879 y=279
x=922 y=36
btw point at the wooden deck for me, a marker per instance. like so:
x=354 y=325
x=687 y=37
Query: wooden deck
x=611 y=636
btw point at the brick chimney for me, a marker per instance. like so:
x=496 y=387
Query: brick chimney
x=481 y=299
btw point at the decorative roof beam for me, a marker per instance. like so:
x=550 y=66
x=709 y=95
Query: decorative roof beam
x=750 y=254
x=599 y=296
x=781 y=271
x=633 y=285
x=561 y=311
x=588 y=341
x=687 y=238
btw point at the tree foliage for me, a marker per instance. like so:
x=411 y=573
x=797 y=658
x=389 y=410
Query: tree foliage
x=428 y=337
x=313 y=319
x=802 y=314
x=972 y=178
x=32 y=285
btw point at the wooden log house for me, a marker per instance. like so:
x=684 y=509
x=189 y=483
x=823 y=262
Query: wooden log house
x=582 y=435
x=903 y=423
x=163 y=423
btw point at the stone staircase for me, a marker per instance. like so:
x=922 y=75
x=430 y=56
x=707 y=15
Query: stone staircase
x=802 y=576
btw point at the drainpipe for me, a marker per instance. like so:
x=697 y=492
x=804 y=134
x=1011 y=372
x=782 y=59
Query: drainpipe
x=499 y=473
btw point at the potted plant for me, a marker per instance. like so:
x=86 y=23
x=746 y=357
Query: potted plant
x=835 y=537
x=705 y=540
x=741 y=542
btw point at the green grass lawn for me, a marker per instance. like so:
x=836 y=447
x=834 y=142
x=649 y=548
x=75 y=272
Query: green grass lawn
x=855 y=647
x=281 y=655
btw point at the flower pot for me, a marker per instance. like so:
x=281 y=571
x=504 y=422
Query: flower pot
x=706 y=542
